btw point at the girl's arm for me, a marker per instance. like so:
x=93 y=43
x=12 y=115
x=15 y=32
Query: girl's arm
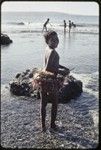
x=63 y=70
x=62 y=67
x=52 y=64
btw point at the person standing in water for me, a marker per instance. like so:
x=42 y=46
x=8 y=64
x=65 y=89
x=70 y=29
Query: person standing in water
x=70 y=25
x=51 y=65
x=65 y=25
x=73 y=25
x=45 y=25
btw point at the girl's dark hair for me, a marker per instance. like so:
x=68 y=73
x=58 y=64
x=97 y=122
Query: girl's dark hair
x=48 y=35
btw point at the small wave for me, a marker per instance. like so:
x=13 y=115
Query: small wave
x=40 y=31
x=86 y=32
x=87 y=25
x=82 y=25
x=31 y=31
x=90 y=82
x=16 y=23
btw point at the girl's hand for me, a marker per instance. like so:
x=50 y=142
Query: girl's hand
x=67 y=71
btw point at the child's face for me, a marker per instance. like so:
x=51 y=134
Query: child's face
x=53 y=41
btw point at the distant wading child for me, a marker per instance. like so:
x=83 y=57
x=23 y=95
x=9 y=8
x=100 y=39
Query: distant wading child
x=65 y=25
x=45 y=25
x=73 y=25
x=70 y=25
x=51 y=65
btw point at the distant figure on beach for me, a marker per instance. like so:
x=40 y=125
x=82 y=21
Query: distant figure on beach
x=45 y=25
x=70 y=25
x=73 y=25
x=51 y=65
x=65 y=25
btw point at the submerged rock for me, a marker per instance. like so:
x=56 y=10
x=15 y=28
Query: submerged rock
x=22 y=85
x=70 y=90
x=20 y=23
x=5 y=40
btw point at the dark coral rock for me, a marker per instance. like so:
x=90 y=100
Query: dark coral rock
x=5 y=40
x=22 y=86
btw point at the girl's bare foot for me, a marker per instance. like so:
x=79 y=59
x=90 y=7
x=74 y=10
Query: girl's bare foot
x=54 y=127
